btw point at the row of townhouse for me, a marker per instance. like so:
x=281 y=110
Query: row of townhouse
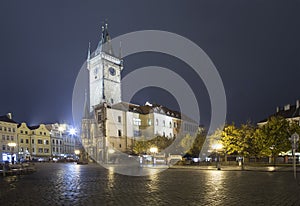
x=42 y=142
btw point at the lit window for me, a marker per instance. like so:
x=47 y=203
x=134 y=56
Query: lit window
x=149 y=122
x=136 y=121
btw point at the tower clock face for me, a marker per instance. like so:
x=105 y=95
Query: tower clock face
x=112 y=71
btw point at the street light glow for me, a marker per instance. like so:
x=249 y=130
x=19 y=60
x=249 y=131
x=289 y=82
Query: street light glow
x=153 y=150
x=72 y=131
x=77 y=152
x=12 y=144
x=217 y=146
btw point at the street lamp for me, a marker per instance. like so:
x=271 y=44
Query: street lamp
x=153 y=150
x=294 y=141
x=217 y=147
x=12 y=146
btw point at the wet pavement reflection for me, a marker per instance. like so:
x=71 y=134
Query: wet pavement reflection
x=72 y=184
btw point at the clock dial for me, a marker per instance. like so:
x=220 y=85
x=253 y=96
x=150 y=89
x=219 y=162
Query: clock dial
x=112 y=71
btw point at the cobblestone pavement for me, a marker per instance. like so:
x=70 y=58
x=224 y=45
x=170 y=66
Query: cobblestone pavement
x=71 y=184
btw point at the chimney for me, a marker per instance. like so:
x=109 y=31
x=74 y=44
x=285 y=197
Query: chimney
x=9 y=115
x=277 y=109
x=286 y=107
x=297 y=104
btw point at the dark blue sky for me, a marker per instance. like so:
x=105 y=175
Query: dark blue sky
x=253 y=44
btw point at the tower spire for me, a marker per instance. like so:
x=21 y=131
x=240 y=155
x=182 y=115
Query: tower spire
x=120 y=50
x=89 y=52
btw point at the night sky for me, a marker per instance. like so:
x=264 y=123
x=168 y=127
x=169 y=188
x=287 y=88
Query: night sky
x=254 y=45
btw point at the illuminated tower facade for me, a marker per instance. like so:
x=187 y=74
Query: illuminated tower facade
x=104 y=73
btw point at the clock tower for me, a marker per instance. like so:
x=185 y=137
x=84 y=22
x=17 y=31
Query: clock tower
x=104 y=73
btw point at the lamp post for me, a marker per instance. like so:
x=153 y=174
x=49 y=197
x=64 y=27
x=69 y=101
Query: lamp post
x=153 y=150
x=217 y=147
x=294 y=141
x=12 y=146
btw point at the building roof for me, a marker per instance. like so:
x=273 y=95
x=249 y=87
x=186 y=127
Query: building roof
x=5 y=118
x=146 y=109
x=287 y=112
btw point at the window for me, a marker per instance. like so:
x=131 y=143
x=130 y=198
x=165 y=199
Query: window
x=40 y=150
x=46 y=150
x=164 y=123
x=13 y=129
x=156 y=122
x=119 y=119
x=21 y=141
x=170 y=124
x=111 y=101
x=3 y=147
x=21 y=149
x=60 y=142
x=32 y=132
x=12 y=138
x=33 y=150
x=40 y=141
x=53 y=149
x=4 y=128
x=21 y=131
x=0 y=128
x=174 y=124
x=119 y=133
x=99 y=116
x=41 y=133
x=26 y=132
x=3 y=137
x=136 y=121
x=149 y=122
x=46 y=141
x=32 y=141
x=44 y=133
x=136 y=133
x=120 y=145
x=7 y=137
x=53 y=141
x=56 y=141
x=27 y=141
x=164 y=134
x=9 y=129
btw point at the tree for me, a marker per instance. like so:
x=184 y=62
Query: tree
x=274 y=137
